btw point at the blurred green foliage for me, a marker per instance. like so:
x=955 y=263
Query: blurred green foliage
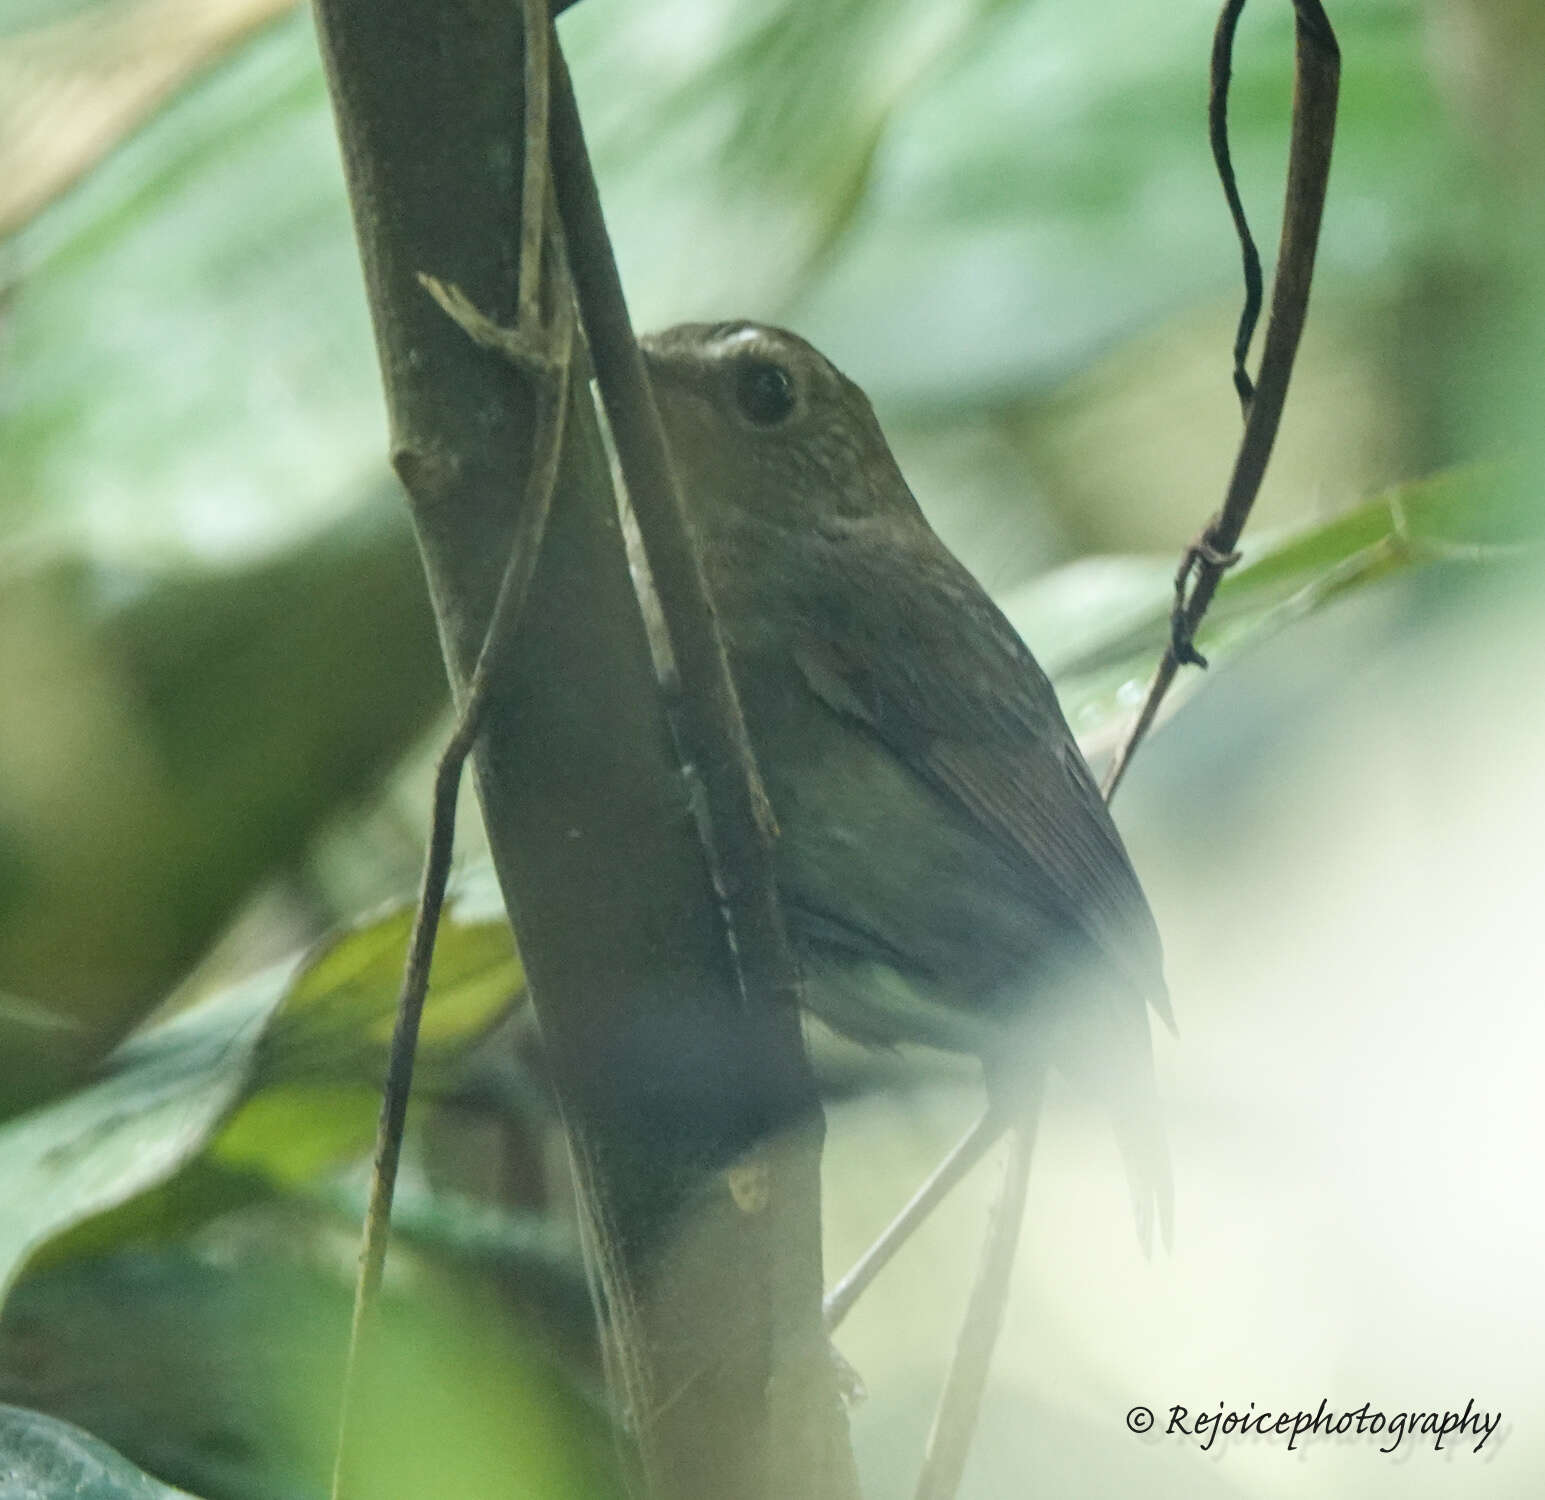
x=216 y=657
x=180 y=734
x=224 y=1376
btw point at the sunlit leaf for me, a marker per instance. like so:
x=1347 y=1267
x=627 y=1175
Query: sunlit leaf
x=340 y=1010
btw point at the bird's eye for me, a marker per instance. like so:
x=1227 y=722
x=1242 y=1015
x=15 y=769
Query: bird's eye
x=764 y=392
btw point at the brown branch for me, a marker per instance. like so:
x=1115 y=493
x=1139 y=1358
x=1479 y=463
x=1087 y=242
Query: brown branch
x=667 y=1067
x=715 y=731
x=802 y=1449
x=1316 y=82
x=552 y=375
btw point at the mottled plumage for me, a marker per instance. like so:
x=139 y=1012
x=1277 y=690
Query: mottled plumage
x=950 y=873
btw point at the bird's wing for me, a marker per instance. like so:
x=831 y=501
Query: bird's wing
x=941 y=678
x=939 y=675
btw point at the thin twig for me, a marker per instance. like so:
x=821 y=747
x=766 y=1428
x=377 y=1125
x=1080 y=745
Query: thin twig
x=955 y=1420
x=536 y=34
x=1207 y=559
x=967 y=1152
x=437 y=865
x=740 y=848
x=1317 y=76
x=1217 y=133
x=551 y=373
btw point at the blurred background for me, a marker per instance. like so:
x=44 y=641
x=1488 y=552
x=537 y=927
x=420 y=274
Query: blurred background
x=220 y=697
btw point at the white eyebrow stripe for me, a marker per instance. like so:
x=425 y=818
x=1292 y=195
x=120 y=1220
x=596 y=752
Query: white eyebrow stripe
x=747 y=335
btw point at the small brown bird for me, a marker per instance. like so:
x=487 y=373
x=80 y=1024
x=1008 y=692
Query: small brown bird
x=948 y=868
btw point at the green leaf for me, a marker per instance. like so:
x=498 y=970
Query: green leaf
x=42 y=1458
x=316 y=1090
x=338 y=1014
x=204 y=1189
x=1098 y=626
x=166 y=1092
x=291 y=1134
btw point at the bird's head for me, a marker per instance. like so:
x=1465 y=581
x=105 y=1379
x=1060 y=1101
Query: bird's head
x=763 y=424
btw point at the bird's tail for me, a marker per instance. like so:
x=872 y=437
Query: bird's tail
x=1100 y=1042
x=1144 y=1145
